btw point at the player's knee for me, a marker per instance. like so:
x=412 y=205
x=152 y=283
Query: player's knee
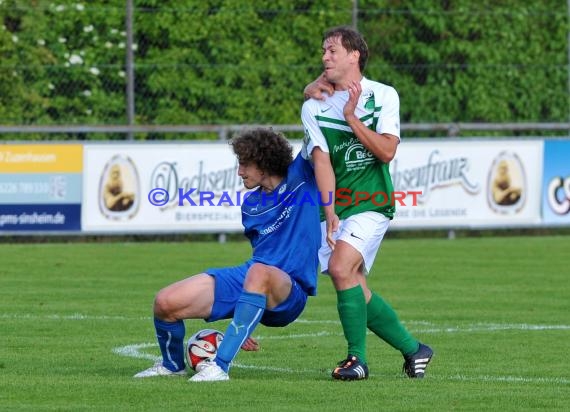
x=337 y=270
x=257 y=277
x=162 y=307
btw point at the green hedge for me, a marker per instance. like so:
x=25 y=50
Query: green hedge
x=245 y=61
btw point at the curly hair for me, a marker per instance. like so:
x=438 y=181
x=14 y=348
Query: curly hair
x=267 y=149
x=351 y=40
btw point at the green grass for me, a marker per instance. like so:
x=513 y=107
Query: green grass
x=495 y=310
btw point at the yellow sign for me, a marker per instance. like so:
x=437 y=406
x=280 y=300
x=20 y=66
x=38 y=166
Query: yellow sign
x=41 y=158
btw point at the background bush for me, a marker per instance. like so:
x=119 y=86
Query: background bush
x=242 y=61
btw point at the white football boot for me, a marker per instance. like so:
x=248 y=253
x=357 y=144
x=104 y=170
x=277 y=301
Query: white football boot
x=158 y=370
x=209 y=372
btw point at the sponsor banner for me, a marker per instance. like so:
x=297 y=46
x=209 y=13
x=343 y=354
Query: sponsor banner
x=39 y=218
x=41 y=158
x=556 y=183
x=161 y=188
x=40 y=188
x=468 y=183
x=195 y=188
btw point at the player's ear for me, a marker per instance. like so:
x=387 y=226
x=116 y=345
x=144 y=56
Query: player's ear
x=355 y=56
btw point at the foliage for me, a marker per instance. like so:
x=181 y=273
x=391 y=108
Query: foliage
x=465 y=61
x=244 y=62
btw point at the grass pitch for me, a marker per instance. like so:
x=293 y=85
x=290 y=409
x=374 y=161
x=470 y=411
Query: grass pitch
x=76 y=324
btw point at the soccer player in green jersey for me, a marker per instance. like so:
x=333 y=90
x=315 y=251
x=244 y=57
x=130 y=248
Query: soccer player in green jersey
x=352 y=131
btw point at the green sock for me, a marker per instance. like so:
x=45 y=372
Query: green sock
x=383 y=321
x=351 y=307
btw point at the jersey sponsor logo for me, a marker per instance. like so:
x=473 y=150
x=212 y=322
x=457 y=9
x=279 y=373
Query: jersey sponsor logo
x=357 y=157
x=285 y=214
x=344 y=145
x=325 y=109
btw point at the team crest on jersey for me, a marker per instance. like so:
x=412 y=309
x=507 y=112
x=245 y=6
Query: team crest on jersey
x=282 y=189
x=369 y=102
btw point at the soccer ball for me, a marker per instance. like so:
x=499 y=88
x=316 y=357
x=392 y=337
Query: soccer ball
x=202 y=346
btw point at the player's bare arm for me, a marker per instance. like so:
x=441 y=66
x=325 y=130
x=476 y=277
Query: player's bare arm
x=326 y=182
x=382 y=146
x=319 y=88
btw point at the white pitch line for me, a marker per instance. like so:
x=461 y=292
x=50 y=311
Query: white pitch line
x=134 y=351
x=73 y=316
x=489 y=327
x=298 y=336
x=429 y=327
x=319 y=322
x=516 y=379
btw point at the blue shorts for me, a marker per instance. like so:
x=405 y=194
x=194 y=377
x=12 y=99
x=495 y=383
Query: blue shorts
x=229 y=286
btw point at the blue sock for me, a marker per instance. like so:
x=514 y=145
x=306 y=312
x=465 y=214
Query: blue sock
x=247 y=314
x=170 y=337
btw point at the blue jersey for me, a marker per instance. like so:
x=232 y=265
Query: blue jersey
x=284 y=227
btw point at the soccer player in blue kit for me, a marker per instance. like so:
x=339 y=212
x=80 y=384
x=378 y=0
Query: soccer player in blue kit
x=271 y=288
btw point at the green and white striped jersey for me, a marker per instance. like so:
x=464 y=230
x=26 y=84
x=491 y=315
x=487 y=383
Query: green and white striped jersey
x=355 y=168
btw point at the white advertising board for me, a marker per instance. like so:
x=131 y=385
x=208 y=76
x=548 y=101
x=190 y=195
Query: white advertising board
x=190 y=187
x=194 y=187
x=468 y=183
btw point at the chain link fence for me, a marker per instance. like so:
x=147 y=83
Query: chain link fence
x=190 y=62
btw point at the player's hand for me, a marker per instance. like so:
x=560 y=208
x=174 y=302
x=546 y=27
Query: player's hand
x=354 y=91
x=319 y=88
x=250 y=345
x=332 y=227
